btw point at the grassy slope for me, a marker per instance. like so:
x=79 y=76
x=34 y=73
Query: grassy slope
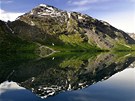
x=124 y=47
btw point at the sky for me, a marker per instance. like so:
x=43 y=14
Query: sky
x=119 y=13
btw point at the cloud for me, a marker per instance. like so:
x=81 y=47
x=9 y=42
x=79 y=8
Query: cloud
x=6 y=86
x=79 y=9
x=84 y=5
x=11 y=16
x=6 y=1
x=84 y=9
x=84 y=2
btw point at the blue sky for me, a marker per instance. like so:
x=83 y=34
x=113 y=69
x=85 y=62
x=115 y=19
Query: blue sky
x=119 y=13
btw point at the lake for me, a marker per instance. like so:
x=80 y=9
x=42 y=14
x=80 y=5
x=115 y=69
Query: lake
x=68 y=76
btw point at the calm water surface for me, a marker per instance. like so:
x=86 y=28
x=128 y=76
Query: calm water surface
x=68 y=77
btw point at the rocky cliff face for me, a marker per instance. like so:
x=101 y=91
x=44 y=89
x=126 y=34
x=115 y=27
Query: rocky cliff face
x=50 y=26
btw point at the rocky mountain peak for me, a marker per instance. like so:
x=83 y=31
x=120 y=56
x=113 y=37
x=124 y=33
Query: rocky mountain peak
x=45 y=10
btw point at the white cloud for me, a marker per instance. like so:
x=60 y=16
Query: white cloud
x=6 y=1
x=84 y=2
x=83 y=5
x=79 y=9
x=11 y=16
x=88 y=8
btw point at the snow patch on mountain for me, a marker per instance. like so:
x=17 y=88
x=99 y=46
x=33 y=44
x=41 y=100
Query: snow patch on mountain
x=43 y=5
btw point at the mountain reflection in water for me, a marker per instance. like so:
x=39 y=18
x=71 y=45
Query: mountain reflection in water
x=69 y=72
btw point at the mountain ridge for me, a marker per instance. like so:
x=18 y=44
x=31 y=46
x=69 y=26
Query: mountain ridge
x=56 y=28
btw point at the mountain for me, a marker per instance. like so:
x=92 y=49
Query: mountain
x=62 y=30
